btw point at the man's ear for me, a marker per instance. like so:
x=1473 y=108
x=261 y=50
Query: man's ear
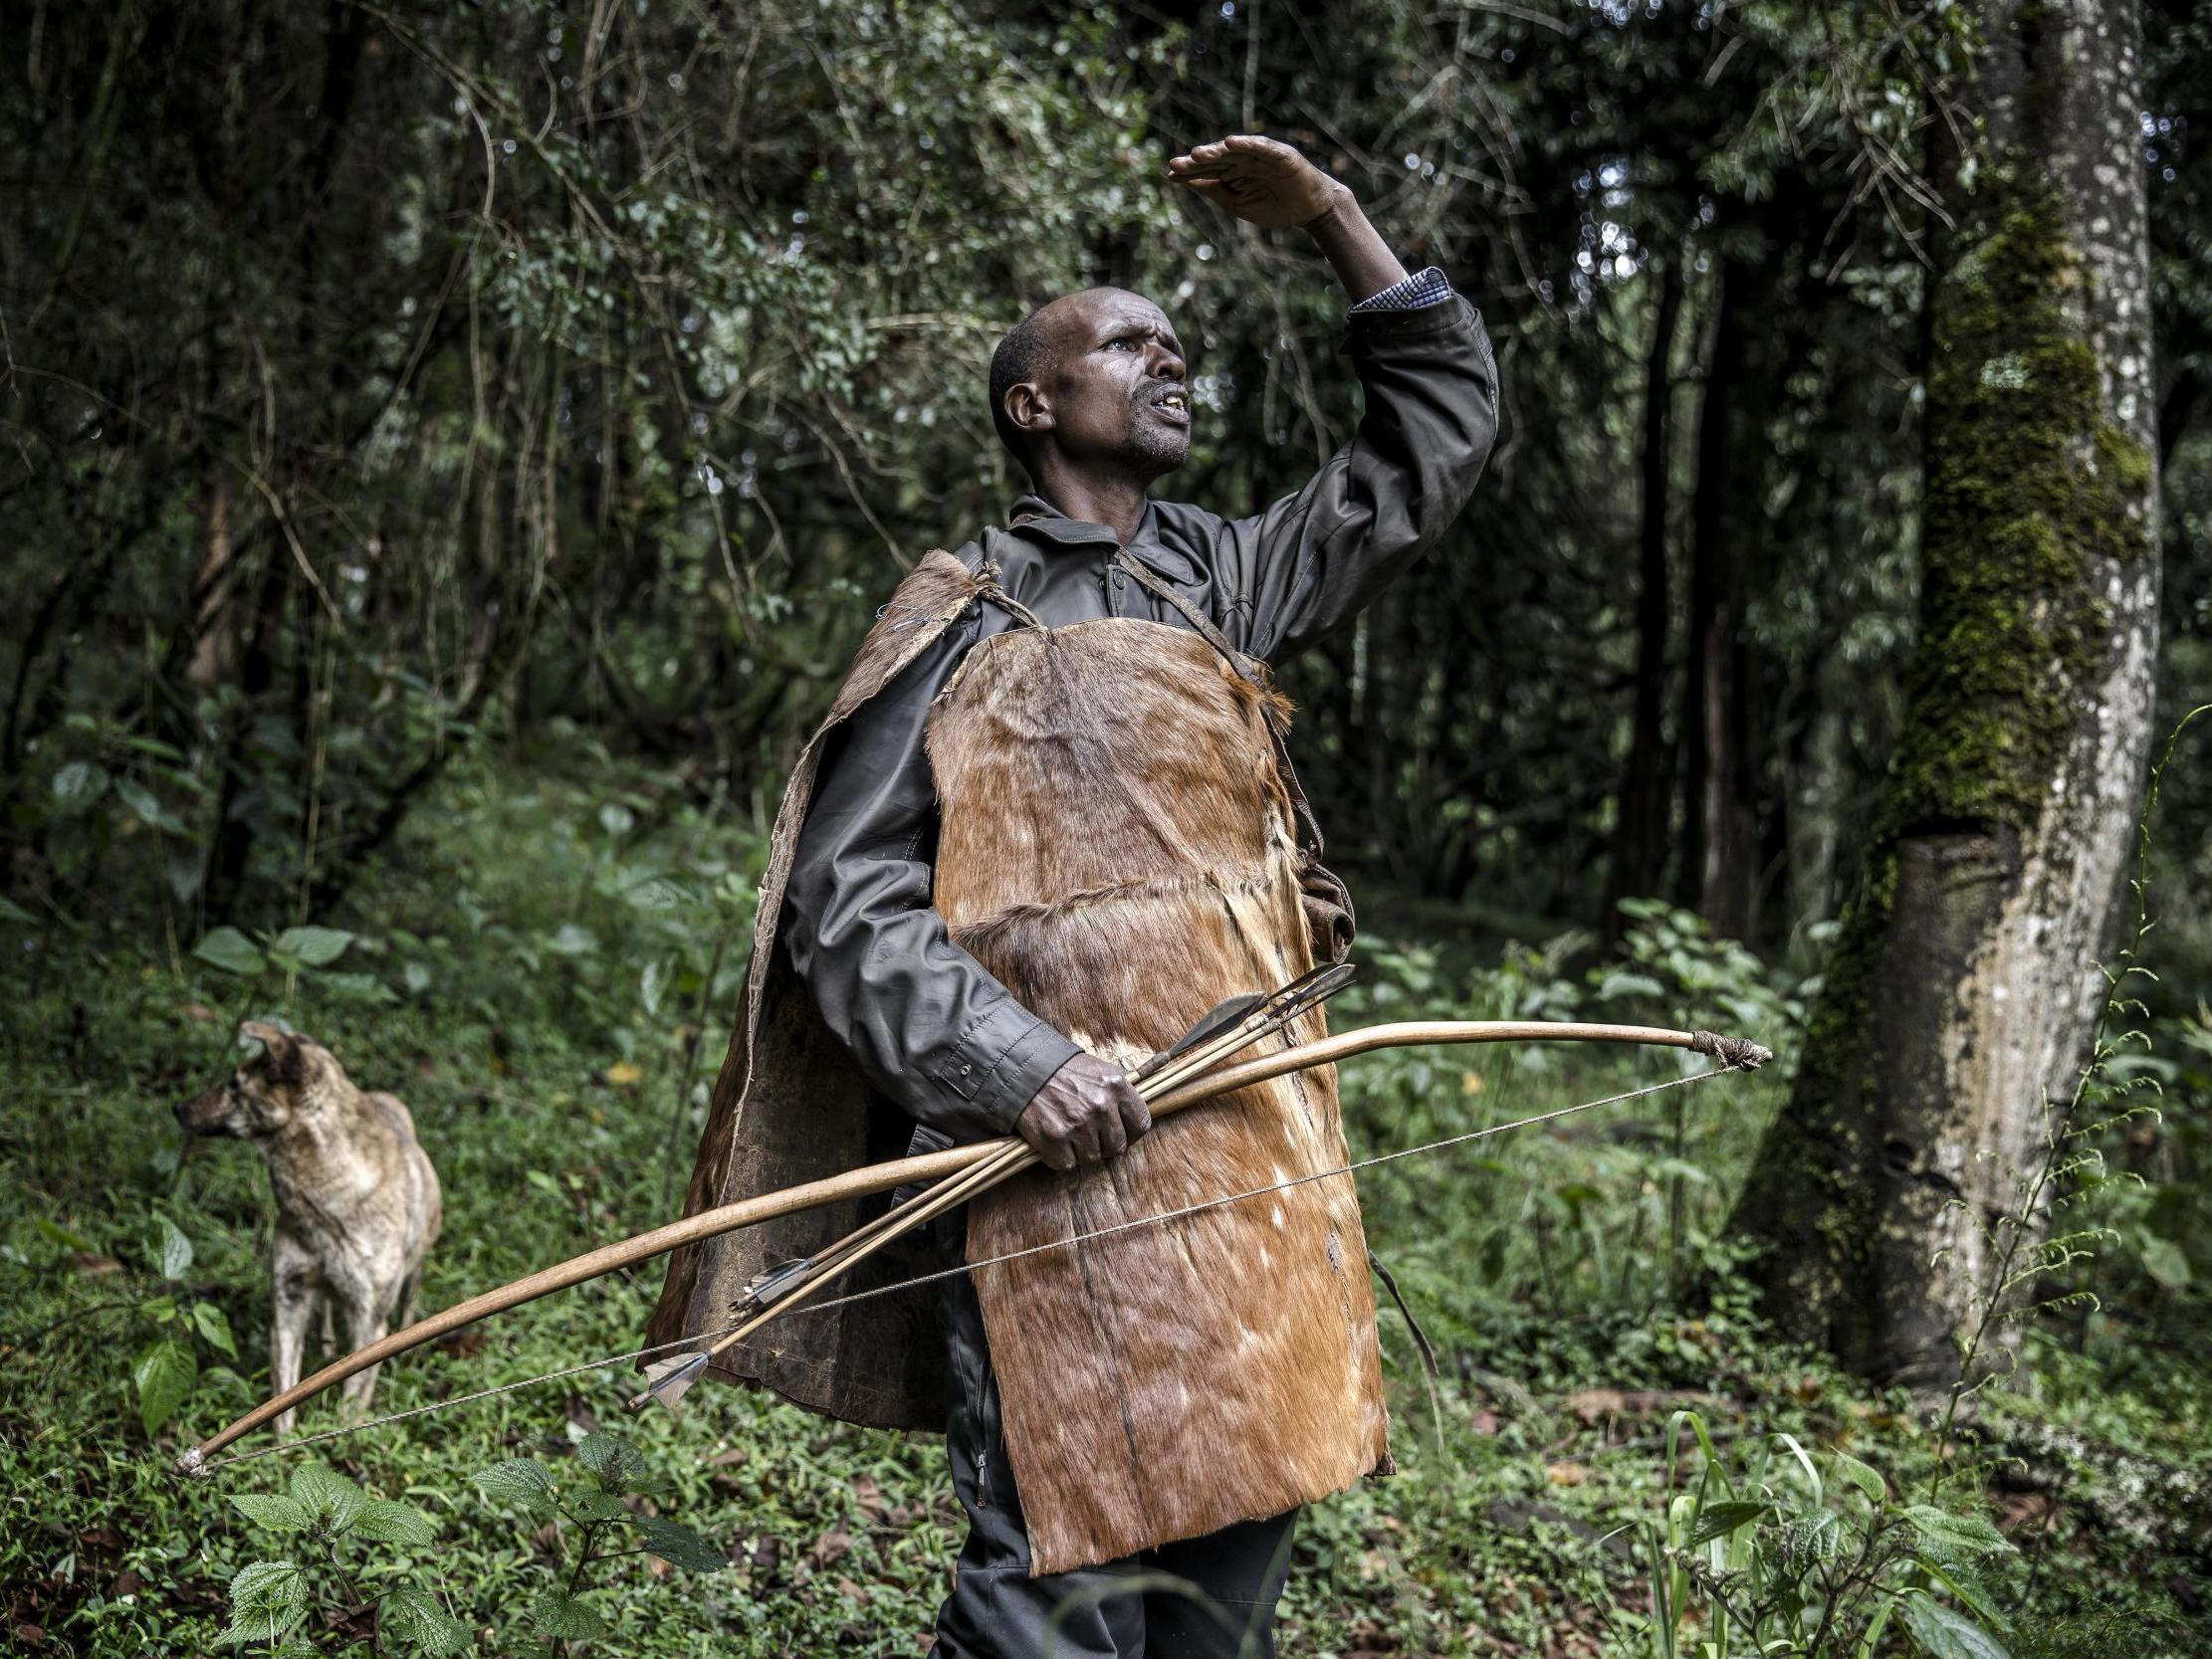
x=1028 y=408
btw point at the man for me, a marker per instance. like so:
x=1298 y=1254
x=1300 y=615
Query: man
x=1048 y=822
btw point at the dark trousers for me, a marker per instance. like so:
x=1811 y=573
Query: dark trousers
x=1198 y=1599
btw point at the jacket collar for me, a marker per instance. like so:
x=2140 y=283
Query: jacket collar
x=1039 y=520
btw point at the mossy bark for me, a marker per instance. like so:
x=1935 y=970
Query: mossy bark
x=1965 y=980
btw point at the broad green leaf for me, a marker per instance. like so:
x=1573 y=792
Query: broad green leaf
x=176 y=1249
x=389 y=1523
x=1961 y=1576
x=576 y=940
x=1963 y=1533
x=315 y=947
x=78 y=784
x=180 y=863
x=619 y=1465
x=1946 y=1634
x=557 y=1613
x=678 y=1546
x=139 y=799
x=272 y=1511
x=214 y=1330
x=1622 y=983
x=594 y=1506
x=411 y=1615
x=230 y=950
x=1719 y=1520
x=267 y=1600
x=518 y=1480
x=1865 y=1477
x=1807 y=1537
x=328 y=1495
x=2163 y=1261
x=147 y=808
x=164 y=1373
x=660 y=893
x=361 y=987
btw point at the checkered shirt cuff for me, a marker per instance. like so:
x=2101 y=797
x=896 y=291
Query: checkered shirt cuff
x=1422 y=287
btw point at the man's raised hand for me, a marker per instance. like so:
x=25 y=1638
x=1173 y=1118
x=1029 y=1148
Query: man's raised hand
x=1260 y=179
x=1085 y=1112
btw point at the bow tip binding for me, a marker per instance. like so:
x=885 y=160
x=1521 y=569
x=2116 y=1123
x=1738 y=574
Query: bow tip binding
x=1733 y=1053
x=670 y=1381
x=192 y=1465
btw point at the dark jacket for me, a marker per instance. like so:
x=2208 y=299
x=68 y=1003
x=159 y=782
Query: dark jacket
x=922 y=1019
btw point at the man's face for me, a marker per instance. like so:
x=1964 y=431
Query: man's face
x=1115 y=388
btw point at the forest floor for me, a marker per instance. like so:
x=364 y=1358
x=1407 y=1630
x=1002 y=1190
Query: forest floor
x=531 y=980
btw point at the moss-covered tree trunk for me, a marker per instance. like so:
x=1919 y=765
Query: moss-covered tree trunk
x=1965 y=982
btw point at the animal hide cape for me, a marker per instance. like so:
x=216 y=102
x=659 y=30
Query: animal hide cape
x=1188 y=1374
x=789 y=1106
x=1117 y=844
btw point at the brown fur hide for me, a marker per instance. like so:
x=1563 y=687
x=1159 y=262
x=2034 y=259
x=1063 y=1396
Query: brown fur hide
x=1117 y=847
x=789 y=1106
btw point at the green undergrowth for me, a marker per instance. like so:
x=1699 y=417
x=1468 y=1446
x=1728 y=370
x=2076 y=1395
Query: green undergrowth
x=539 y=979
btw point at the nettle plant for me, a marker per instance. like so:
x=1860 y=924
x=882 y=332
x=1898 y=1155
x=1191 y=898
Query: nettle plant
x=296 y=953
x=600 y=1528
x=330 y=1518
x=1803 y=1553
x=271 y=1601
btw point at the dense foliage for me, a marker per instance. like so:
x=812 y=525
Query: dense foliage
x=527 y=993
x=381 y=378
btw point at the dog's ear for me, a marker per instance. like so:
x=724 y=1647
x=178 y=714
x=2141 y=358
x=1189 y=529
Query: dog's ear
x=283 y=1047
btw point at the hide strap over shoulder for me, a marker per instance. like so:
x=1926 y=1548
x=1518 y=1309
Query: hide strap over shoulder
x=1330 y=921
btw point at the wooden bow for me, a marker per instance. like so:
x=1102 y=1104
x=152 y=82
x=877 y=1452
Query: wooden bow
x=1733 y=1053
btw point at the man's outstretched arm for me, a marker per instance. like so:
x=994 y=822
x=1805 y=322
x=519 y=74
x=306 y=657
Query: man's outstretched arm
x=1295 y=569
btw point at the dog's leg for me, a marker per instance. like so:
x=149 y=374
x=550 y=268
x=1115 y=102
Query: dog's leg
x=369 y=1322
x=298 y=1283
x=404 y=1316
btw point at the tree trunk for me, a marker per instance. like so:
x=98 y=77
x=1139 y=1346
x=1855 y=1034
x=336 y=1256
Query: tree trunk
x=230 y=850
x=1964 y=983
x=214 y=633
x=1719 y=873
x=1639 y=840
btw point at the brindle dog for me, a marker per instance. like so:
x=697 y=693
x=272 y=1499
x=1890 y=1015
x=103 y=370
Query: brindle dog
x=358 y=1201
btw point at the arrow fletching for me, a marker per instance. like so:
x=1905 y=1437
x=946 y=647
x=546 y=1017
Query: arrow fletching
x=1260 y=1011
x=1211 y=1023
x=668 y=1380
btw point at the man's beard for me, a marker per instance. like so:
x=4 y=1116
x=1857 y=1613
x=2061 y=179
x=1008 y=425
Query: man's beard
x=1154 y=446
